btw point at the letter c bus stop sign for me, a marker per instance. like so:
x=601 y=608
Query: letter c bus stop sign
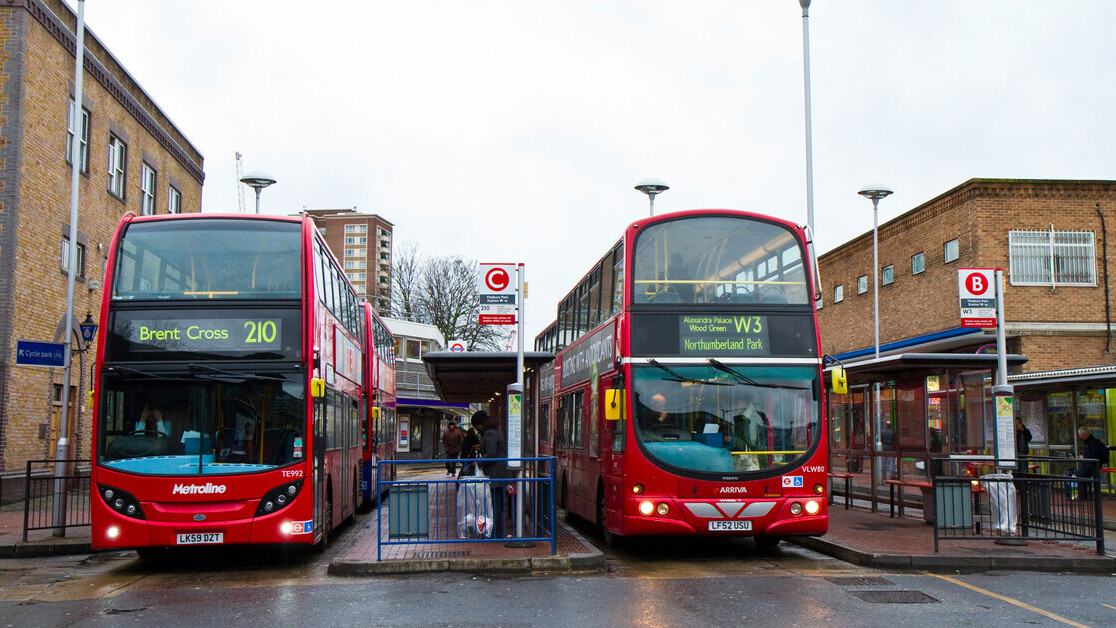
x=977 y=290
x=31 y=353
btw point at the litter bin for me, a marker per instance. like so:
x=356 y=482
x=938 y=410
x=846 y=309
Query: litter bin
x=953 y=506
x=408 y=512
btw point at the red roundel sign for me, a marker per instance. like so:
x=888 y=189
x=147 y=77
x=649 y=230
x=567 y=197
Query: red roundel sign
x=497 y=279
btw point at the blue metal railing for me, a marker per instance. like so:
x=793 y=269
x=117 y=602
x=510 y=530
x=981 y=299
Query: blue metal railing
x=424 y=506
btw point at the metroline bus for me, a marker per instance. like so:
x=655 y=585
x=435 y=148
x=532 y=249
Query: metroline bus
x=686 y=394
x=378 y=438
x=228 y=385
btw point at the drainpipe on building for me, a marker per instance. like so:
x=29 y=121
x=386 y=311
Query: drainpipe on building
x=1104 y=259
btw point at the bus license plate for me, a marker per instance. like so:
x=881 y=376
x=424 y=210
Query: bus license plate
x=200 y=538
x=731 y=526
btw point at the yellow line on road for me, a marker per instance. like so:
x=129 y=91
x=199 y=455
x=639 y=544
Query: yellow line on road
x=1009 y=600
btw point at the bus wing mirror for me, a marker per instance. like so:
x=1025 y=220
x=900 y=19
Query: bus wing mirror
x=614 y=404
x=317 y=388
x=375 y=413
x=90 y=397
x=840 y=382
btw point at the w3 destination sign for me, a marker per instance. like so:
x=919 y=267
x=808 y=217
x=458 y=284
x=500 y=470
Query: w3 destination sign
x=723 y=334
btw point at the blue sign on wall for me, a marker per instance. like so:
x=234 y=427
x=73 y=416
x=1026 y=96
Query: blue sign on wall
x=30 y=353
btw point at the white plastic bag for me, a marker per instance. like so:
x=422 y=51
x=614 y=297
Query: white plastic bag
x=474 y=506
x=1003 y=502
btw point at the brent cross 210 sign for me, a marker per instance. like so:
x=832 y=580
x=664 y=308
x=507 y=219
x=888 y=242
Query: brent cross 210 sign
x=497 y=293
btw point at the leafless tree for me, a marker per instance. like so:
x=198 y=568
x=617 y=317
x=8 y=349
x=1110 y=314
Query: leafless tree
x=442 y=291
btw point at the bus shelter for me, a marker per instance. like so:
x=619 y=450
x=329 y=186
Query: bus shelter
x=902 y=409
x=482 y=377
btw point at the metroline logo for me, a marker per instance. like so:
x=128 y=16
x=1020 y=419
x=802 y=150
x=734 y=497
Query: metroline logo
x=198 y=489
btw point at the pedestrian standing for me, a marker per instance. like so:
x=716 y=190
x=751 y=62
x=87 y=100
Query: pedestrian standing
x=493 y=449
x=452 y=439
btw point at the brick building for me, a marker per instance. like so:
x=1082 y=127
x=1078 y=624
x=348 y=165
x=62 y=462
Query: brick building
x=134 y=159
x=362 y=243
x=1050 y=238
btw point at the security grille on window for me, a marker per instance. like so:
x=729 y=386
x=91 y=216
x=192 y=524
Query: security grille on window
x=1052 y=258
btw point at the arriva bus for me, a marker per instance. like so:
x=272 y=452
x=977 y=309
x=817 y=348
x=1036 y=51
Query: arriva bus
x=686 y=395
x=378 y=442
x=228 y=385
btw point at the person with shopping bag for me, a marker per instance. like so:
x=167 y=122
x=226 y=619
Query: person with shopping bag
x=493 y=452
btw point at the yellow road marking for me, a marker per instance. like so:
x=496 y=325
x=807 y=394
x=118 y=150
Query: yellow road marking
x=1009 y=600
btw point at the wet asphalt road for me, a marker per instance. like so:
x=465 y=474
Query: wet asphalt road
x=659 y=582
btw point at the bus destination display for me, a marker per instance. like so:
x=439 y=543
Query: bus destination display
x=205 y=335
x=723 y=334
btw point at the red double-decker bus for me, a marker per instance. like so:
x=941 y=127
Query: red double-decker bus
x=378 y=438
x=687 y=392
x=228 y=386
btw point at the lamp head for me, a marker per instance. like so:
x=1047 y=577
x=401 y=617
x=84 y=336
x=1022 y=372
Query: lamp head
x=651 y=187
x=257 y=180
x=875 y=192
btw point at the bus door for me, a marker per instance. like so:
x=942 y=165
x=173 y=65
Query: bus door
x=320 y=475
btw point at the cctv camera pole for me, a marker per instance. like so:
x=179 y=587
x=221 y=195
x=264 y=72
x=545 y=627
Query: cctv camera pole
x=62 y=450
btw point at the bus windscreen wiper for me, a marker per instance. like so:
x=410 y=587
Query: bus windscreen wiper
x=236 y=377
x=132 y=371
x=744 y=379
x=678 y=377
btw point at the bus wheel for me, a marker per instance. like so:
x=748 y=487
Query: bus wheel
x=611 y=539
x=327 y=526
x=767 y=542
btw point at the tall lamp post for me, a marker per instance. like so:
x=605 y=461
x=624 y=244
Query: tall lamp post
x=805 y=4
x=875 y=193
x=257 y=181
x=651 y=187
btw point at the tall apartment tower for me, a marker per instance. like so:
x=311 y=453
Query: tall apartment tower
x=362 y=243
x=133 y=158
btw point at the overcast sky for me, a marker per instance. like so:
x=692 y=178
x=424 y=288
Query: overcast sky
x=515 y=131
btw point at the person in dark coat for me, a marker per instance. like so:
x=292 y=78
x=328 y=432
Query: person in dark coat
x=1022 y=439
x=493 y=450
x=469 y=446
x=1095 y=453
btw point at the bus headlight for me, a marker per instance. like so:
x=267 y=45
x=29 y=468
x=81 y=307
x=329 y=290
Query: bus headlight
x=646 y=508
x=112 y=532
x=637 y=489
x=285 y=527
x=662 y=509
x=819 y=489
x=796 y=509
x=121 y=502
x=812 y=507
x=278 y=498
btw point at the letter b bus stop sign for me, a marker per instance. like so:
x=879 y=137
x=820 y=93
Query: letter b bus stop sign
x=977 y=290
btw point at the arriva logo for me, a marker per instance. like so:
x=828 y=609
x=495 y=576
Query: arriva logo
x=734 y=489
x=197 y=489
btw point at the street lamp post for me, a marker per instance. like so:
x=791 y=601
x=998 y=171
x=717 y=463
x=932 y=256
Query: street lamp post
x=257 y=181
x=875 y=193
x=805 y=4
x=651 y=187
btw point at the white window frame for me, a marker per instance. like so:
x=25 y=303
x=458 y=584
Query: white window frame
x=1048 y=257
x=117 y=166
x=83 y=145
x=147 y=189
x=921 y=267
x=956 y=252
x=862 y=284
x=174 y=200
x=66 y=258
x=887 y=274
x=839 y=293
